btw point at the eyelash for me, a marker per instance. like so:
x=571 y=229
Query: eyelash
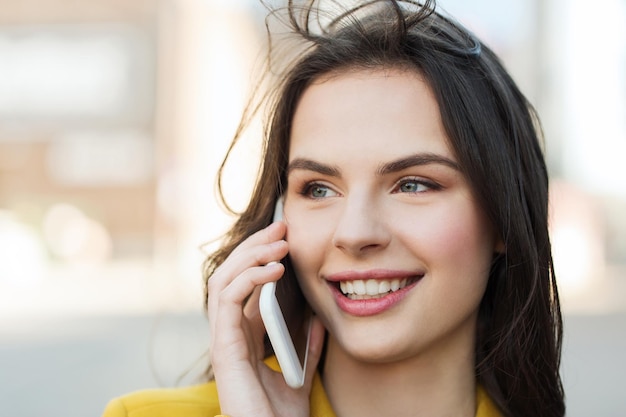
x=308 y=188
x=430 y=185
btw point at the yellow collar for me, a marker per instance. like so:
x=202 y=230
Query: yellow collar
x=320 y=405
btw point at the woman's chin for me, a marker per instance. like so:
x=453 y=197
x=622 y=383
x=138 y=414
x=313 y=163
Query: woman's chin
x=370 y=349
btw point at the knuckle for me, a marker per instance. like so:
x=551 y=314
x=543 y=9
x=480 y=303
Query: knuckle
x=223 y=297
x=262 y=255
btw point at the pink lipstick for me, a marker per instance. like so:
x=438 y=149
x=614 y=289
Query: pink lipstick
x=366 y=293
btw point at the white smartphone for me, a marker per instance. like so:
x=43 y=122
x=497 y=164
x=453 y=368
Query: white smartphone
x=291 y=345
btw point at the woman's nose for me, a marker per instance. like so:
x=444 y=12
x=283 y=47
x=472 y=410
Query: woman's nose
x=361 y=227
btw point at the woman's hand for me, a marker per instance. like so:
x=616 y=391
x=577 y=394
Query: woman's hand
x=246 y=386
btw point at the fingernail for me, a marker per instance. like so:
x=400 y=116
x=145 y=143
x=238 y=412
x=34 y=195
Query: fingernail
x=274 y=265
x=278 y=244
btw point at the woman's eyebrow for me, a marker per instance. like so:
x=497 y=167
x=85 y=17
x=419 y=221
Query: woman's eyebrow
x=416 y=160
x=386 y=168
x=310 y=165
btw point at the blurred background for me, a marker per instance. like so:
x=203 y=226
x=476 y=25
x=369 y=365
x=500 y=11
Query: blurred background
x=114 y=116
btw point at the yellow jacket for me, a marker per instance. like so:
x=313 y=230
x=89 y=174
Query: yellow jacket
x=201 y=401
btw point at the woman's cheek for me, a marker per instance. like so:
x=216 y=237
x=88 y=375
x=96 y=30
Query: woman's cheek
x=296 y=238
x=307 y=249
x=463 y=244
x=458 y=230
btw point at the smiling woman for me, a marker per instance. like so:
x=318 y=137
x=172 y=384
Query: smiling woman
x=394 y=210
x=415 y=228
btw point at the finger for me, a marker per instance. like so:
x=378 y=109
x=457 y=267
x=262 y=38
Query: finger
x=252 y=313
x=227 y=304
x=235 y=265
x=240 y=288
x=316 y=345
x=234 y=268
x=259 y=249
x=272 y=232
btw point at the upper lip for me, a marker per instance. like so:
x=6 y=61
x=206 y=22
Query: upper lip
x=379 y=274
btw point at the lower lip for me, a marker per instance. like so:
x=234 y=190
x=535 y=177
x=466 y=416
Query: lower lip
x=370 y=306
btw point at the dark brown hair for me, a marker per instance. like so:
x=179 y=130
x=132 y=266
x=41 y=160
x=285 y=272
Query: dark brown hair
x=495 y=135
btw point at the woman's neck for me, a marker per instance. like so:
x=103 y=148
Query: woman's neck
x=439 y=383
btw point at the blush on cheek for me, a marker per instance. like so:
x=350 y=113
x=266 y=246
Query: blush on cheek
x=455 y=236
x=463 y=236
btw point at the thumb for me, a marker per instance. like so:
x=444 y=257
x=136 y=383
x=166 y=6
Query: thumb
x=316 y=345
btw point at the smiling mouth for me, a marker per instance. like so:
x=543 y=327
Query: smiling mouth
x=373 y=288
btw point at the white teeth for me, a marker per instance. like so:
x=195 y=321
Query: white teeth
x=371 y=287
x=359 y=289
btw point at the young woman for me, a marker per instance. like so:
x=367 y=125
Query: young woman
x=415 y=225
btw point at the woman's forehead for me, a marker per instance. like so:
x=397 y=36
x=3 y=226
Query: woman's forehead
x=384 y=111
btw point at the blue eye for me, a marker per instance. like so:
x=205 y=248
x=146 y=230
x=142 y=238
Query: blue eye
x=415 y=186
x=318 y=191
x=411 y=187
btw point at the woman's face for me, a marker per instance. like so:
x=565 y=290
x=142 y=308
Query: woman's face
x=389 y=245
